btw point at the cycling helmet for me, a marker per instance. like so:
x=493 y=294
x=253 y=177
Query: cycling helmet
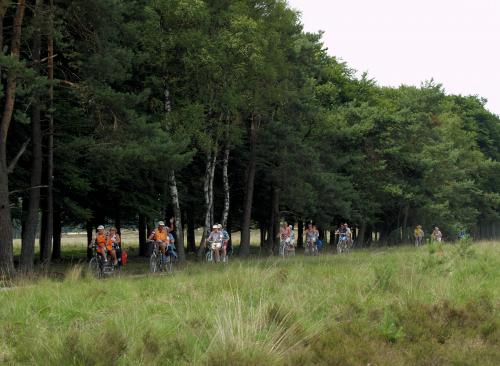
x=161 y=223
x=100 y=227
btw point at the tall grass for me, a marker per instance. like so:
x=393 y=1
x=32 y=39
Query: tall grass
x=402 y=306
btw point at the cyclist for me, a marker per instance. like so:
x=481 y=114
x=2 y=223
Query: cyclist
x=171 y=249
x=419 y=235
x=285 y=235
x=225 y=242
x=292 y=236
x=113 y=242
x=215 y=240
x=311 y=236
x=160 y=235
x=348 y=233
x=437 y=235
x=343 y=234
x=100 y=242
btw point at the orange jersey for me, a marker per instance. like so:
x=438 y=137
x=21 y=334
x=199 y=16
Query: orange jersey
x=161 y=235
x=112 y=239
x=102 y=242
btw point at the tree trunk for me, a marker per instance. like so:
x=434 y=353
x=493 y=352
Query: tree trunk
x=179 y=229
x=250 y=181
x=56 y=252
x=262 y=229
x=273 y=238
x=3 y=9
x=32 y=216
x=300 y=234
x=362 y=234
x=332 y=237
x=142 y=235
x=191 y=238
x=406 y=237
x=6 y=243
x=227 y=193
x=45 y=251
x=208 y=192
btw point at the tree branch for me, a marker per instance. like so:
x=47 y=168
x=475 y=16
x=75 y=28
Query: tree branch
x=13 y=163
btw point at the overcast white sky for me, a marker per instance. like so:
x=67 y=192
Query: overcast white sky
x=456 y=42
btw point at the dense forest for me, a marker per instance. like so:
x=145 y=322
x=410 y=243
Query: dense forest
x=131 y=111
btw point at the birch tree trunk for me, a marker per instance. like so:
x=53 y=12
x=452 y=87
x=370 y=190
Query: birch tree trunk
x=227 y=193
x=208 y=192
x=6 y=250
x=32 y=215
x=179 y=229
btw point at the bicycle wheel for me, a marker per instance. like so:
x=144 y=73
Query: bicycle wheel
x=282 y=250
x=94 y=267
x=169 y=265
x=153 y=263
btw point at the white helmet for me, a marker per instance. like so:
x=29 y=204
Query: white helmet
x=219 y=226
x=100 y=227
x=161 y=223
x=215 y=227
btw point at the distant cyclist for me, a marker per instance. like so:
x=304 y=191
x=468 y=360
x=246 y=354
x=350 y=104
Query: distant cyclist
x=113 y=241
x=437 y=235
x=225 y=242
x=311 y=237
x=348 y=233
x=344 y=234
x=215 y=240
x=285 y=232
x=100 y=241
x=418 y=233
x=292 y=236
x=160 y=235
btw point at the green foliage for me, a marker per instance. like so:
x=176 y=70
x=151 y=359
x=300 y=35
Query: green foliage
x=389 y=330
x=464 y=247
x=148 y=86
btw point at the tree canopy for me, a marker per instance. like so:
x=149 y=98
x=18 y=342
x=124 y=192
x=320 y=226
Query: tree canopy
x=215 y=91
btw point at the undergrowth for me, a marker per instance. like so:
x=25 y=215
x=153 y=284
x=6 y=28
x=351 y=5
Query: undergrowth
x=436 y=305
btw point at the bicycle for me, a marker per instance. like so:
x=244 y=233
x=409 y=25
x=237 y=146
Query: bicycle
x=286 y=248
x=99 y=268
x=311 y=248
x=209 y=256
x=343 y=244
x=159 y=262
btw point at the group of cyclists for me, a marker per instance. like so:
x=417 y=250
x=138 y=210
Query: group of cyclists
x=108 y=244
x=419 y=235
x=343 y=236
x=218 y=241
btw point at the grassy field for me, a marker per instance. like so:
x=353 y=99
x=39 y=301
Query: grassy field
x=404 y=306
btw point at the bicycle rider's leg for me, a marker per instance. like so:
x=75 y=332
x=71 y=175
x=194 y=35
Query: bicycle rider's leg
x=224 y=250
x=217 y=254
x=113 y=255
x=103 y=254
